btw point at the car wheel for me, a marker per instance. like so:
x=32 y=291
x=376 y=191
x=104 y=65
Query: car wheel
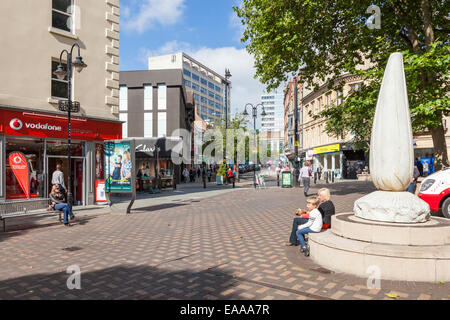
x=446 y=208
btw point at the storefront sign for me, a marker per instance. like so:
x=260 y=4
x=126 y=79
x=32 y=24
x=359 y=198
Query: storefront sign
x=327 y=149
x=118 y=166
x=33 y=124
x=286 y=178
x=19 y=166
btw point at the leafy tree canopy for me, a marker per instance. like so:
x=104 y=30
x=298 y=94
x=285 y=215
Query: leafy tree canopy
x=319 y=40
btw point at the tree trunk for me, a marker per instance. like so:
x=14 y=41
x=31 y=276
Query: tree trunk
x=440 y=147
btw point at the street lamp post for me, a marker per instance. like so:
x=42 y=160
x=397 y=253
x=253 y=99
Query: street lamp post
x=227 y=83
x=68 y=105
x=254 y=115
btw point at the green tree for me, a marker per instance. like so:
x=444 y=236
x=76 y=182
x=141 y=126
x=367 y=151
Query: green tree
x=321 y=39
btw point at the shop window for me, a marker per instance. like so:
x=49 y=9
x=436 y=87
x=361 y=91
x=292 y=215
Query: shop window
x=33 y=149
x=62 y=15
x=59 y=87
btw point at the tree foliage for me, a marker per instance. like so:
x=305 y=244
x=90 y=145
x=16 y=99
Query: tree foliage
x=319 y=40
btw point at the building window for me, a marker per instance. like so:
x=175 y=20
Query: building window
x=203 y=90
x=196 y=97
x=340 y=97
x=319 y=105
x=211 y=94
x=203 y=81
x=195 y=87
x=162 y=124
x=123 y=98
x=148 y=97
x=195 y=77
x=124 y=117
x=218 y=89
x=186 y=73
x=62 y=15
x=162 y=97
x=187 y=83
x=211 y=85
x=204 y=100
x=148 y=125
x=59 y=87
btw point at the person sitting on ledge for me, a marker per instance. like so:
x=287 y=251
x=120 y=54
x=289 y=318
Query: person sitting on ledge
x=326 y=208
x=313 y=225
x=59 y=203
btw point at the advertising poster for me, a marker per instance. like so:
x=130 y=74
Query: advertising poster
x=118 y=167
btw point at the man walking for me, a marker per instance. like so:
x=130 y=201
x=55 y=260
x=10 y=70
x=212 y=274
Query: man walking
x=58 y=178
x=305 y=176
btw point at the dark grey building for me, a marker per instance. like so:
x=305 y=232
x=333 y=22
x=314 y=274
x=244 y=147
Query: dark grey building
x=154 y=104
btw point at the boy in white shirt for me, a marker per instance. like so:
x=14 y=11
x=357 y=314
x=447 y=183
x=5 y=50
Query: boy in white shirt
x=314 y=223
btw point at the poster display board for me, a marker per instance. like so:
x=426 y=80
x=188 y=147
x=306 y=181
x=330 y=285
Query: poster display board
x=286 y=178
x=118 y=167
x=19 y=166
x=100 y=191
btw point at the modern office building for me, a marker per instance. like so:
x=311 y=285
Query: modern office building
x=35 y=34
x=272 y=125
x=209 y=87
x=153 y=104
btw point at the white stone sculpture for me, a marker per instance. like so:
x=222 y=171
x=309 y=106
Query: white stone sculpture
x=392 y=154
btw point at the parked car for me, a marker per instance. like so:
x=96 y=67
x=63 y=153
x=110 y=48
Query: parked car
x=435 y=190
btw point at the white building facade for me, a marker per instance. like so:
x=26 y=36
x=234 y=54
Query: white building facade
x=208 y=86
x=272 y=125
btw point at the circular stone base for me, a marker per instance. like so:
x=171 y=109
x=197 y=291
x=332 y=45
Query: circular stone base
x=396 y=252
x=390 y=206
x=435 y=232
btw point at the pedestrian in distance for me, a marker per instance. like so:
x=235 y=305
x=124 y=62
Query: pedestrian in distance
x=58 y=178
x=413 y=184
x=305 y=176
x=58 y=202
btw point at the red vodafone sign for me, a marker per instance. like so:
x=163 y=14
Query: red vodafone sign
x=19 y=166
x=54 y=126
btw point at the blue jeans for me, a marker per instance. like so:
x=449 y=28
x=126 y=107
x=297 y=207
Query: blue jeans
x=300 y=234
x=297 y=222
x=412 y=187
x=64 y=207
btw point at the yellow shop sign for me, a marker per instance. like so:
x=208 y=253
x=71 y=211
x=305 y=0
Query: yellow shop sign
x=327 y=149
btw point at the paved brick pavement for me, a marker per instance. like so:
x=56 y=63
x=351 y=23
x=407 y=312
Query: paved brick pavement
x=229 y=246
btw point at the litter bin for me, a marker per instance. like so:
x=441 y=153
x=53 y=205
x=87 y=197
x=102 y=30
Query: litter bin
x=286 y=179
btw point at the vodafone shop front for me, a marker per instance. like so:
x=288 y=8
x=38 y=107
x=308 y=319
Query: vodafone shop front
x=40 y=140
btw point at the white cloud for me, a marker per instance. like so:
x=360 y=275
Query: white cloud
x=153 y=12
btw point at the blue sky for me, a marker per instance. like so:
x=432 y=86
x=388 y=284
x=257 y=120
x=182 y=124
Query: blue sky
x=208 y=30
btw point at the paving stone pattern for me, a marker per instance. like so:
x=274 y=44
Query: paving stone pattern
x=230 y=246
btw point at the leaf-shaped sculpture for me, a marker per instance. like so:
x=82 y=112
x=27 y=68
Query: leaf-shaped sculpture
x=391 y=147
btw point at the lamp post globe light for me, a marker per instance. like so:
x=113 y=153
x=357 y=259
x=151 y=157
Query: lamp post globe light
x=68 y=105
x=254 y=115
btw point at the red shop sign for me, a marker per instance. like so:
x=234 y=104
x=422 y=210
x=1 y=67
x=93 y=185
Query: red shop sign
x=39 y=125
x=19 y=166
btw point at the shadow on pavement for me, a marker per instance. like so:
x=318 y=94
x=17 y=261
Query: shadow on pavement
x=124 y=282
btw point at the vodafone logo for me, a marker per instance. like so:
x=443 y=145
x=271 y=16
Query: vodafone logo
x=17 y=159
x=16 y=124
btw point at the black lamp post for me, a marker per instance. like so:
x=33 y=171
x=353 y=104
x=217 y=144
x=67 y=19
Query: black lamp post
x=254 y=115
x=227 y=83
x=68 y=105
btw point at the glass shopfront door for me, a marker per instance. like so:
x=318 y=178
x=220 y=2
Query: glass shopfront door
x=78 y=176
